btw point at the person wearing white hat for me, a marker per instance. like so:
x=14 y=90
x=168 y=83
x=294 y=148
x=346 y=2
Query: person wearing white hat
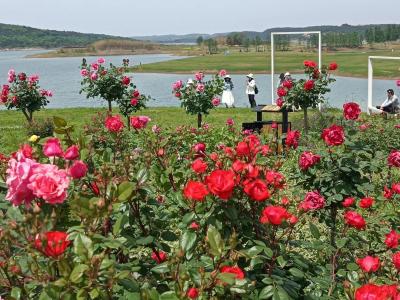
x=227 y=96
x=251 y=89
x=288 y=77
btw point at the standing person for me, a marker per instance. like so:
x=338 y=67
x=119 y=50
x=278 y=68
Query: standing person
x=391 y=104
x=288 y=77
x=251 y=90
x=281 y=80
x=227 y=96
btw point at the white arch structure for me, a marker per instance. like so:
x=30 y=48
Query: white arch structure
x=273 y=90
x=371 y=77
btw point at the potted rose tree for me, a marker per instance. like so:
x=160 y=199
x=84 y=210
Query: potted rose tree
x=307 y=92
x=24 y=94
x=112 y=85
x=198 y=96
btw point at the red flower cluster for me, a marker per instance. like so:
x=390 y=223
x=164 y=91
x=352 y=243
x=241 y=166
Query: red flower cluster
x=394 y=159
x=313 y=201
x=274 y=215
x=354 y=219
x=351 y=111
x=307 y=160
x=310 y=64
x=53 y=244
x=376 y=292
x=333 y=136
x=233 y=270
x=292 y=139
x=309 y=85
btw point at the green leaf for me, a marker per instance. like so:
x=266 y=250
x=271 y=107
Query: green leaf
x=83 y=246
x=94 y=293
x=120 y=223
x=59 y=122
x=228 y=278
x=253 y=251
x=145 y=240
x=188 y=240
x=161 y=268
x=314 y=231
x=78 y=272
x=170 y=295
x=281 y=261
x=296 y=272
x=214 y=240
x=352 y=267
x=169 y=236
x=16 y=293
x=125 y=190
x=142 y=176
x=266 y=293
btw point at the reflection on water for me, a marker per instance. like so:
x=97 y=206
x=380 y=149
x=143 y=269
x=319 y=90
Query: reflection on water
x=61 y=75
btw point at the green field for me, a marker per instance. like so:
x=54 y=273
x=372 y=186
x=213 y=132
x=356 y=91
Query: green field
x=351 y=63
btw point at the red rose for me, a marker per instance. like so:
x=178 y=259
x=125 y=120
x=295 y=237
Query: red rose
x=396 y=260
x=114 y=124
x=195 y=191
x=199 y=166
x=275 y=179
x=238 y=166
x=333 y=66
x=192 y=293
x=387 y=193
x=252 y=171
x=53 y=243
x=257 y=190
x=392 y=239
x=288 y=84
x=126 y=80
x=310 y=64
x=134 y=101
x=274 y=215
x=309 y=85
x=369 y=263
x=366 y=202
x=354 y=219
x=194 y=226
x=159 y=257
x=178 y=94
x=394 y=159
x=78 y=169
x=316 y=74
x=27 y=150
x=307 y=160
x=242 y=149
x=95 y=189
x=349 y=201
x=396 y=188
x=72 y=153
x=139 y=122
x=333 y=136
x=199 y=148
x=313 y=201
x=136 y=94
x=376 y=292
x=265 y=150
x=351 y=111
x=221 y=183
x=279 y=102
x=292 y=139
x=22 y=76
x=233 y=270
x=281 y=92
x=52 y=147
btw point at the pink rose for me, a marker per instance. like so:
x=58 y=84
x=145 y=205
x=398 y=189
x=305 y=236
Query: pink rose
x=49 y=183
x=307 y=160
x=95 y=66
x=11 y=72
x=134 y=101
x=394 y=159
x=230 y=122
x=313 y=201
x=200 y=88
x=53 y=148
x=78 y=169
x=49 y=93
x=72 y=153
x=101 y=60
x=84 y=72
x=222 y=73
x=199 y=76
x=216 y=101
x=18 y=174
x=94 y=76
x=139 y=122
x=398 y=82
x=177 y=85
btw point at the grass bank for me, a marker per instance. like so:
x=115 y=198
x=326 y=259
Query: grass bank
x=13 y=124
x=351 y=63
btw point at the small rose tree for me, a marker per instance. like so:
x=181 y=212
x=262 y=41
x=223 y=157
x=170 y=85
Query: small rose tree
x=112 y=85
x=307 y=92
x=198 y=96
x=24 y=94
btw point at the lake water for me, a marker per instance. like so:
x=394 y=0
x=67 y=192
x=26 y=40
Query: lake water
x=61 y=75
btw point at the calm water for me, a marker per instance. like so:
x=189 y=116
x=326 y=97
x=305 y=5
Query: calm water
x=61 y=75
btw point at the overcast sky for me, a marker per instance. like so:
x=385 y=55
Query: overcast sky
x=149 y=17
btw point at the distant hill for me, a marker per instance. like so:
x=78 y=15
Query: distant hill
x=264 y=35
x=16 y=36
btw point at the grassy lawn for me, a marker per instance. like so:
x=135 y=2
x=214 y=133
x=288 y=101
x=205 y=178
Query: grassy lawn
x=351 y=63
x=13 y=124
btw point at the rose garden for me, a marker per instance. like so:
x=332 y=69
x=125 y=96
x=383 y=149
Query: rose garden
x=130 y=209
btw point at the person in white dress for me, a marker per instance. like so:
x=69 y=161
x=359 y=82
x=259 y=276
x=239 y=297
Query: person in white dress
x=227 y=95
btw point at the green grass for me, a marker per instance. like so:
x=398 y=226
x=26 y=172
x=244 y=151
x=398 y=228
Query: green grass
x=351 y=63
x=13 y=125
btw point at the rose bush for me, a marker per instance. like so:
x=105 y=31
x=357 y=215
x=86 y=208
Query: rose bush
x=199 y=213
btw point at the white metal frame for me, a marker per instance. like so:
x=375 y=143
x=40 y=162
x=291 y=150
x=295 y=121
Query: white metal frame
x=273 y=89
x=371 y=77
